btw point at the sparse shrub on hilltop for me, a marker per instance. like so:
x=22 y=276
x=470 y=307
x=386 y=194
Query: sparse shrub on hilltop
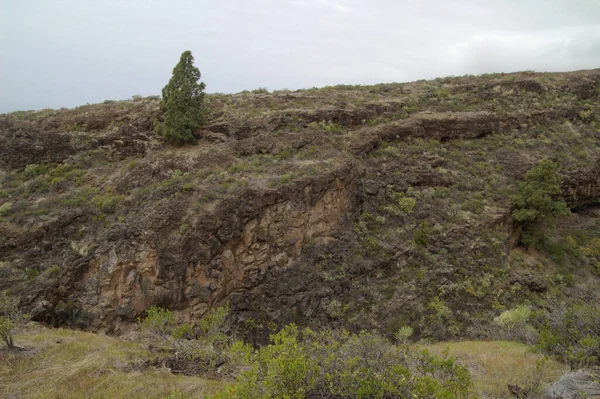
x=182 y=103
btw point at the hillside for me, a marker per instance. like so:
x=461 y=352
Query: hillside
x=349 y=206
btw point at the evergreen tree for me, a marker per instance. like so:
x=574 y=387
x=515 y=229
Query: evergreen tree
x=538 y=199
x=182 y=103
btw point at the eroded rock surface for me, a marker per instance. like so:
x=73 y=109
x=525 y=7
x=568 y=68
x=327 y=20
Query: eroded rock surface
x=123 y=282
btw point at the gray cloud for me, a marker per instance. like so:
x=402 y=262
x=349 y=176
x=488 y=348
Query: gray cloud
x=69 y=52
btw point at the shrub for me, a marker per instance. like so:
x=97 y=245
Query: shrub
x=335 y=309
x=345 y=365
x=11 y=317
x=208 y=346
x=326 y=126
x=572 y=332
x=53 y=271
x=421 y=235
x=513 y=317
x=159 y=323
x=4 y=208
x=403 y=334
x=592 y=249
x=401 y=205
x=34 y=170
x=514 y=324
x=576 y=384
x=261 y=90
x=537 y=198
x=182 y=103
x=407 y=204
x=107 y=202
x=216 y=325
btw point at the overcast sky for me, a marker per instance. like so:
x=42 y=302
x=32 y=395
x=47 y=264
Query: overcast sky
x=57 y=53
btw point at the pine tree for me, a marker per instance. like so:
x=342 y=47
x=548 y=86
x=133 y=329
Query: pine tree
x=182 y=103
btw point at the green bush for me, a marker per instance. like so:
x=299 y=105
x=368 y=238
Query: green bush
x=403 y=334
x=159 y=323
x=592 y=249
x=331 y=364
x=182 y=103
x=573 y=333
x=107 y=202
x=421 y=235
x=261 y=90
x=34 y=170
x=538 y=197
x=401 y=203
x=11 y=317
x=5 y=208
x=514 y=325
x=513 y=317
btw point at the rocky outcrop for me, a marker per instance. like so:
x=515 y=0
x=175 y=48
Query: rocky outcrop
x=450 y=125
x=341 y=113
x=121 y=283
x=582 y=188
x=123 y=132
x=20 y=147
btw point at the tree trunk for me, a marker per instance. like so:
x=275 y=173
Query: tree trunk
x=11 y=343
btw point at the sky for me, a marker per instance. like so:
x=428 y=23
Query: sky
x=65 y=53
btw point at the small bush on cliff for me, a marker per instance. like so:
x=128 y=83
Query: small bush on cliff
x=11 y=317
x=538 y=197
x=182 y=103
x=592 y=251
x=331 y=364
x=421 y=235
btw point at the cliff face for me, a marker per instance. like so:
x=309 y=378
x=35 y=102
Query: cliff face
x=246 y=245
x=582 y=189
x=363 y=207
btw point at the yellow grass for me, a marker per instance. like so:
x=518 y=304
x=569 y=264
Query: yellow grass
x=63 y=363
x=494 y=364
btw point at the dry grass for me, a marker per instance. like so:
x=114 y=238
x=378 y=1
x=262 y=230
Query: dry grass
x=61 y=363
x=494 y=364
x=73 y=364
